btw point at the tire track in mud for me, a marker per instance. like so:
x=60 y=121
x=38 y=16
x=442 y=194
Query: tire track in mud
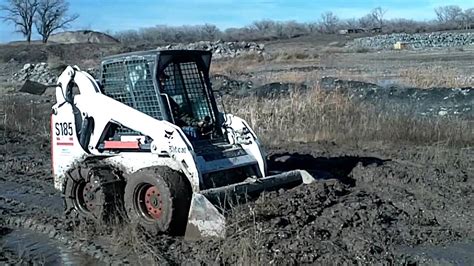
x=30 y=204
x=28 y=201
x=42 y=215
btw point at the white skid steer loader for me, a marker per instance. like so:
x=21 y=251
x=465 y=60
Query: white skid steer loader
x=151 y=141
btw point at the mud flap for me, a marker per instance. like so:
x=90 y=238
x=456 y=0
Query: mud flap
x=204 y=220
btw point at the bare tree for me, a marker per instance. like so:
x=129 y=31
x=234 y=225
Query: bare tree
x=366 y=21
x=377 y=15
x=329 y=22
x=263 y=26
x=210 y=32
x=21 y=13
x=449 y=15
x=292 y=29
x=468 y=18
x=351 y=23
x=51 y=16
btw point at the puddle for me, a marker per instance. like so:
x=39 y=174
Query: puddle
x=452 y=254
x=388 y=82
x=42 y=250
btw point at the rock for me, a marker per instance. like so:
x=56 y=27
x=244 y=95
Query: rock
x=414 y=41
x=36 y=72
x=26 y=67
x=219 y=48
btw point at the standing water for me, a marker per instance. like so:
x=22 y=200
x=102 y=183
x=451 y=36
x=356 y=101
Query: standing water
x=42 y=250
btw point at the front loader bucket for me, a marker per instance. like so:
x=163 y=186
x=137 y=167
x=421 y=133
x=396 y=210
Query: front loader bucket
x=33 y=87
x=206 y=221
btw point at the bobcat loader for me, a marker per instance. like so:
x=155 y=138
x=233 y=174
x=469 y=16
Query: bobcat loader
x=148 y=139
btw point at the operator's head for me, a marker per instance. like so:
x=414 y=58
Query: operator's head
x=163 y=78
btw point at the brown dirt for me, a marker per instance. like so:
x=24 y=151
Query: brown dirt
x=369 y=211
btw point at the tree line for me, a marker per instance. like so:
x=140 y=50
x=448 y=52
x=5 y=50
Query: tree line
x=51 y=15
x=47 y=16
x=447 y=18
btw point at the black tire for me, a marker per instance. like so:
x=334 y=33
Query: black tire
x=170 y=193
x=107 y=192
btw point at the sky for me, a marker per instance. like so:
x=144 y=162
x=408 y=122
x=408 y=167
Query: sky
x=117 y=15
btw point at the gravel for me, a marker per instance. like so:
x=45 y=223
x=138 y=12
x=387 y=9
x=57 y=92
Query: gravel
x=414 y=41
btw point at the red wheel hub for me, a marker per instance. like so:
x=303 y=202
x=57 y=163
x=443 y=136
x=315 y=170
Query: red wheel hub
x=153 y=202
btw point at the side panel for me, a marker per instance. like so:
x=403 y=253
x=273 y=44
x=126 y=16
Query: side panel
x=65 y=147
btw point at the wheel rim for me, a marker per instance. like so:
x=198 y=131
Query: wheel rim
x=149 y=202
x=85 y=198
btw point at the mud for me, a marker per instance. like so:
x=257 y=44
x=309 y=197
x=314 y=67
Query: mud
x=38 y=248
x=372 y=204
x=372 y=209
x=31 y=211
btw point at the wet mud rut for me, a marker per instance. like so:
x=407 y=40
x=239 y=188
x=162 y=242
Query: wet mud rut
x=389 y=204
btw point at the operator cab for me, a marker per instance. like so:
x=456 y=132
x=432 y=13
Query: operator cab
x=167 y=85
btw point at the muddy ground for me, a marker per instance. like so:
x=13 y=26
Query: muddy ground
x=374 y=204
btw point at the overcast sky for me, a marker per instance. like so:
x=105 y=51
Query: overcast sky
x=115 y=15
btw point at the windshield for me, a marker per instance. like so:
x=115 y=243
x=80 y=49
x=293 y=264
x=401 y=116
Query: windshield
x=189 y=101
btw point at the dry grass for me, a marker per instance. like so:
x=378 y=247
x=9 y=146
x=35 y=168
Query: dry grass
x=294 y=56
x=435 y=76
x=302 y=116
x=237 y=66
x=249 y=62
x=18 y=113
x=316 y=115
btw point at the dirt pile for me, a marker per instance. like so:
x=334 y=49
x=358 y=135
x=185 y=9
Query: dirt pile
x=82 y=36
x=454 y=102
x=237 y=88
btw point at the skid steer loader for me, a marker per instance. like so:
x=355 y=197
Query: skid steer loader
x=148 y=138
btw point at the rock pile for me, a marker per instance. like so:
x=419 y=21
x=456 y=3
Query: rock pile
x=43 y=73
x=36 y=72
x=414 y=41
x=220 y=49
